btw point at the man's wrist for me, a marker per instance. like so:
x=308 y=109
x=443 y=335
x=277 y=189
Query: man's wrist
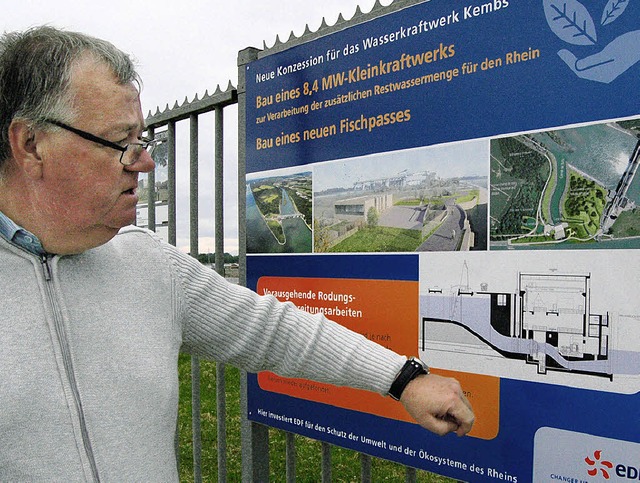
x=411 y=369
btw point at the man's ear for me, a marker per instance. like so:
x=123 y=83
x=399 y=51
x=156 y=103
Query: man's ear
x=24 y=148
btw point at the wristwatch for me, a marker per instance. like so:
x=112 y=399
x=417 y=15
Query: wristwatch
x=411 y=369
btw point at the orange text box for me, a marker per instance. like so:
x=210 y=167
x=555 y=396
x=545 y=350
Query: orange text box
x=385 y=311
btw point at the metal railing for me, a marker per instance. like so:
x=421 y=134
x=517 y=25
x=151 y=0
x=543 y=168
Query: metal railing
x=255 y=437
x=166 y=121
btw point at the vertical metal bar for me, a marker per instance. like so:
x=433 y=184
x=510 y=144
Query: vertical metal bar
x=176 y=446
x=193 y=189
x=195 y=419
x=221 y=402
x=255 y=437
x=193 y=249
x=219 y=188
x=411 y=475
x=151 y=192
x=326 y=463
x=171 y=201
x=246 y=435
x=221 y=412
x=171 y=180
x=365 y=468
x=246 y=449
x=290 y=455
x=151 y=200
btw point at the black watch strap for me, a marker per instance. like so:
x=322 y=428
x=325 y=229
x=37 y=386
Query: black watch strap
x=411 y=369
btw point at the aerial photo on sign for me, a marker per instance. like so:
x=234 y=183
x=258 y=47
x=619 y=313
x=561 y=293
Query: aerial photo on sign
x=279 y=213
x=568 y=188
x=417 y=200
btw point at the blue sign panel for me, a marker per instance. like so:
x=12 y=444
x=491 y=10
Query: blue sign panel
x=463 y=175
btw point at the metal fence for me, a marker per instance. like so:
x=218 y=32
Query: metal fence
x=164 y=124
x=255 y=437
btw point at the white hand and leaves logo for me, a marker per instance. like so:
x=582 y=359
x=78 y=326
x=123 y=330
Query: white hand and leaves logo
x=572 y=22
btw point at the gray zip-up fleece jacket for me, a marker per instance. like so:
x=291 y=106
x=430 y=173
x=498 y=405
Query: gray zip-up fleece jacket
x=89 y=350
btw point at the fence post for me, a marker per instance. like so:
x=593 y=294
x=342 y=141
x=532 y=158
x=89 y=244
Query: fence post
x=255 y=437
x=194 y=249
x=365 y=468
x=221 y=401
x=290 y=457
x=191 y=110
x=326 y=462
x=151 y=192
x=171 y=180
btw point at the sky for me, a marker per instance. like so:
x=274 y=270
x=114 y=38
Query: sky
x=183 y=48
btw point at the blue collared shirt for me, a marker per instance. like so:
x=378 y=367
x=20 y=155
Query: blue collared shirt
x=19 y=236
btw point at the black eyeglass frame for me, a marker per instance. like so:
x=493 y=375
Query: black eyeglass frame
x=145 y=144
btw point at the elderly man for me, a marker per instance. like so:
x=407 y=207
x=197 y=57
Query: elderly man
x=94 y=313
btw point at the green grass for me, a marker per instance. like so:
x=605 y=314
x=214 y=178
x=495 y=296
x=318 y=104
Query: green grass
x=468 y=197
x=408 y=202
x=345 y=464
x=380 y=239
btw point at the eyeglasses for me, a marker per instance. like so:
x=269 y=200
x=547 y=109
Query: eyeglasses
x=132 y=150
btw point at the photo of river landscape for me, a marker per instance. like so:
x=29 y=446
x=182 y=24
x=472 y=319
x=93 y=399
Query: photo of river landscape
x=278 y=210
x=569 y=188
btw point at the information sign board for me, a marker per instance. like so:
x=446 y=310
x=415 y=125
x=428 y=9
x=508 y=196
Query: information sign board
x=457 y=180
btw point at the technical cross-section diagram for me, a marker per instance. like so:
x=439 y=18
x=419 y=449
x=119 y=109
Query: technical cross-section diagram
x=545 y=320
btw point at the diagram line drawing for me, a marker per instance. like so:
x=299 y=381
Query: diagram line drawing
x=546 y=321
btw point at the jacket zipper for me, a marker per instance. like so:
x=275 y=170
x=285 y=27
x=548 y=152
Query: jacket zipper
x=68 y=364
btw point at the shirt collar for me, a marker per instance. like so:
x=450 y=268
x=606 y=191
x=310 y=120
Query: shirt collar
x=19 y=236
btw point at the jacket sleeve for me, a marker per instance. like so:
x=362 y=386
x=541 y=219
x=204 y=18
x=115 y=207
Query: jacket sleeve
x=230 y=323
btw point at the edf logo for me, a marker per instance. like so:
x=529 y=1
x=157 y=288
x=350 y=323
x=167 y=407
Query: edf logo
x=598 y=465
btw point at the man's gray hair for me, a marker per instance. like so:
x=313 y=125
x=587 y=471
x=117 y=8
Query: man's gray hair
x=35 y=70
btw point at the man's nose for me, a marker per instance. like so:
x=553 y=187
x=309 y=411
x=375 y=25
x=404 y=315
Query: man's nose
x=143 y=164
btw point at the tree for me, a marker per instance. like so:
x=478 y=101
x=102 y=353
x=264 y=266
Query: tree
x=320 y=237
x=372 y=217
